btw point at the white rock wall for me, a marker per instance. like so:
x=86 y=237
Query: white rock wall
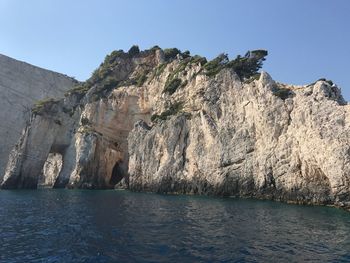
x=22 y=84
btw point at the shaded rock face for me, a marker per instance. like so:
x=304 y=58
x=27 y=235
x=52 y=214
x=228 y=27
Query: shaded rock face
x=89 y=131
x=213 y=135
x=21 y=85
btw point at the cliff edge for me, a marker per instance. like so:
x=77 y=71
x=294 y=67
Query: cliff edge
x=165 y=121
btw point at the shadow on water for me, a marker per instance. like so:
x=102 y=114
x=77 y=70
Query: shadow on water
x=109 y=226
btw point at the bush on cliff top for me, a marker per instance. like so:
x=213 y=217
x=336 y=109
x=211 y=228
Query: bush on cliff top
x=42 y=105
x=282 y=93
x=245 y=67
x=103 y=77
x=330 y=82
x=134 y=50
x=170 y=53
x=214 y=66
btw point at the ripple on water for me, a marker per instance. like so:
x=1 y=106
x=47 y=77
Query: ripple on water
x=109 y=226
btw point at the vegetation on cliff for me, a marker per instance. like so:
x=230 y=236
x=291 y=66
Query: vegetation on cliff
x=44 y=105
x=121 y=68
x=172 y=110
x=245 y=67
x=174 y=81
x=104 y=77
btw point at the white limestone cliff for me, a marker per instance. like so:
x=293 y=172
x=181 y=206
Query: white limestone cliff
x=21 y=85
x=214 y=134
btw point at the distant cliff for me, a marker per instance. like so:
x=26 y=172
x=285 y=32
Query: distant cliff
x=165 y=121
x=22 y=84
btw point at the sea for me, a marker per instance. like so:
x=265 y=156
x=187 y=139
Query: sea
x=122 y=226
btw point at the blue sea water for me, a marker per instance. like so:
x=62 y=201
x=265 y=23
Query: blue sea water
x=121 y=226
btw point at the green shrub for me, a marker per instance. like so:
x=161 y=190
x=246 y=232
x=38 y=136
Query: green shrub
x=105 y=69
x=214 y=66
x=170 y=53
x=110 y=83
x=198 y=59
x=181 y=67
x=109 y=59
x=79 y=89
x=173 y=81
x=282 y=93
x=321 y=79
x=330 y=82
x=105 y=87
x=154 y=48
x=326 y=80
x=43 y=105
x=159 y=70
x=95 y=76
x=258 y=53
x=173 y=110
x=172 y=85
x=99 y=74
x=141 y=79
x=134 y=50
x=155 y=117
x=186 y=54
x=256 y=76
x=245 y=67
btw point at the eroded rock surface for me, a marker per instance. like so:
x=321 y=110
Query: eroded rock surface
x=243 y=140
x=173 y=126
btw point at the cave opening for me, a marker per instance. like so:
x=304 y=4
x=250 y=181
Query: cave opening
x=117 y=173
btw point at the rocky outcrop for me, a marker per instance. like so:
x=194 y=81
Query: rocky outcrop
x=184 y=125
x=21 y=85
x=244 y=140
x=88 y=129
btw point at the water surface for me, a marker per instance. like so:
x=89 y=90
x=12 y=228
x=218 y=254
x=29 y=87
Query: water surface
x=120 y=226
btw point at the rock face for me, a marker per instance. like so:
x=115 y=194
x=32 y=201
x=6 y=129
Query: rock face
x=245 y=141
x=189 y=128
x=51 y=170
x=21 y=85
x=88 y=129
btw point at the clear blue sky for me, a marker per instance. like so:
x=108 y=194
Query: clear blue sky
x=306 y=39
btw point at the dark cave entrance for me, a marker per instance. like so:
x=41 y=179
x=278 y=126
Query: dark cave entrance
x=117 y=173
